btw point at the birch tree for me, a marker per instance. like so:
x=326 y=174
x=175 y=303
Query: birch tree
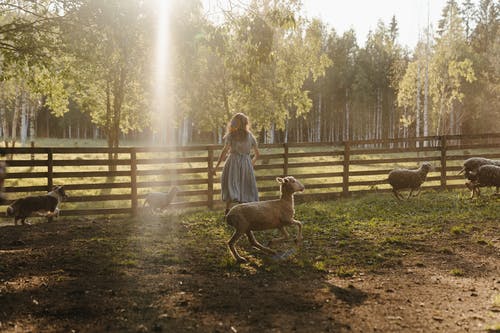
x=451 y=68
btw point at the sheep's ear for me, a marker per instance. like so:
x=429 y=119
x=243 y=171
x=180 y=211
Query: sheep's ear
x=279 y=180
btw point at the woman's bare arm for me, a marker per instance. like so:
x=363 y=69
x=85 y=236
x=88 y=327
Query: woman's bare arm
x=222 y=157
x=256 y=155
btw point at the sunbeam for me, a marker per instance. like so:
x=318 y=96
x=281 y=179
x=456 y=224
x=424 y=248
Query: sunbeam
x=162 y=100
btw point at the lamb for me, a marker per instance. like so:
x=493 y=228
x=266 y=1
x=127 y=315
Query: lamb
x=158 y=201
x=486 y=175
x=401 y=179
x=264 y=215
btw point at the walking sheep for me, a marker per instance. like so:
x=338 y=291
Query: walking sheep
x=471 y=166
x=473 y=163
x=401 y=179
x=264 y=215
x=486 y=175
x=158 y=201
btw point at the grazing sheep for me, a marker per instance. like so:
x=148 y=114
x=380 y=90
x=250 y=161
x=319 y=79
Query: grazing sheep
x=401 y=179
x=272 y=214
x=486 y=175
x=158 y=201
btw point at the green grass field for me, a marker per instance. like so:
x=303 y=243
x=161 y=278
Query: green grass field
x=369 y=232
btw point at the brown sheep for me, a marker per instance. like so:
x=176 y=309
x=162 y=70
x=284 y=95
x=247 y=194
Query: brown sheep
x=264 y=215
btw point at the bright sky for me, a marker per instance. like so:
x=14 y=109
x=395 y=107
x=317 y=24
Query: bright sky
x=363 y=15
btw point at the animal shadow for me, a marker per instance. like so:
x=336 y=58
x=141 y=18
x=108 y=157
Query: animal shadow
x=350 y=295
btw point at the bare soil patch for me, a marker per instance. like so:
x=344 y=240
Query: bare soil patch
x=166 y=274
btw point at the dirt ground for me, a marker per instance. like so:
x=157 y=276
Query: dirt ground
x=151 y=275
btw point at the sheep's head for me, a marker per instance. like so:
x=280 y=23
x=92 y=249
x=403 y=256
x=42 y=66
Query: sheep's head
x=426 y=166
x=58 y=191
x=290 y=184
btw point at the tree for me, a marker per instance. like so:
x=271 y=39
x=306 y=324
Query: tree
x=451 y=68
x=30 y=70
x=380 y=65
x=263 y=58
x=111 y=81
x=483 y=97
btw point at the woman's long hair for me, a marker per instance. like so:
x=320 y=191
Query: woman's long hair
x=238 y=128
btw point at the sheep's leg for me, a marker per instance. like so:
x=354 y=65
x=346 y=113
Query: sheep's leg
x=237 y=234
x=299 y=233
x=409 y=194
x=280 y=239
x=254 y=242
x=396 y=194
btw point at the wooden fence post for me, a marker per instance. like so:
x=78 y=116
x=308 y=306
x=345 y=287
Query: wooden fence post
x=345 y=174
x=285 y=159
x=133 y=181
x=32 y=145
x=443 y=162
x=210 y=167
x=50 y=174
x=50 y=169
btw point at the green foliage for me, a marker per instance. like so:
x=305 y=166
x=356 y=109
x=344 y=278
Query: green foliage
x=288 y=73
x=457 y=272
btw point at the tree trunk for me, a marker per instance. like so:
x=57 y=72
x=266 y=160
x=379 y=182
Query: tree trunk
x=379 y=114
x=270 y=135
x=32 y=121
x=3 y=116
x=285 y=139
x=24 y=117
x=417 y=115
x=318 y=120
x=426 y=91
x=15 y=118
x=47 y=124
x=109 y=132
x=452 y=121
x=346 y=116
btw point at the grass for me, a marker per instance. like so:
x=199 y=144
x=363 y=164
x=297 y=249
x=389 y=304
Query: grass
x=496 y=301
x=457 y=272
x=367 y=233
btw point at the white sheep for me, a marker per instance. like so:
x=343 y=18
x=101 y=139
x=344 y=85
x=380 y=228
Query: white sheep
x=264 y=215
x=158 y=201
x=486 y=175
x=401 y=179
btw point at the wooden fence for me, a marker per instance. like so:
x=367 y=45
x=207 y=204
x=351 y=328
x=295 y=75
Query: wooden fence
x=99 y=185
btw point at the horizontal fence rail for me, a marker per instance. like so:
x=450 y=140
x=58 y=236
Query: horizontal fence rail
x=115 y=181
